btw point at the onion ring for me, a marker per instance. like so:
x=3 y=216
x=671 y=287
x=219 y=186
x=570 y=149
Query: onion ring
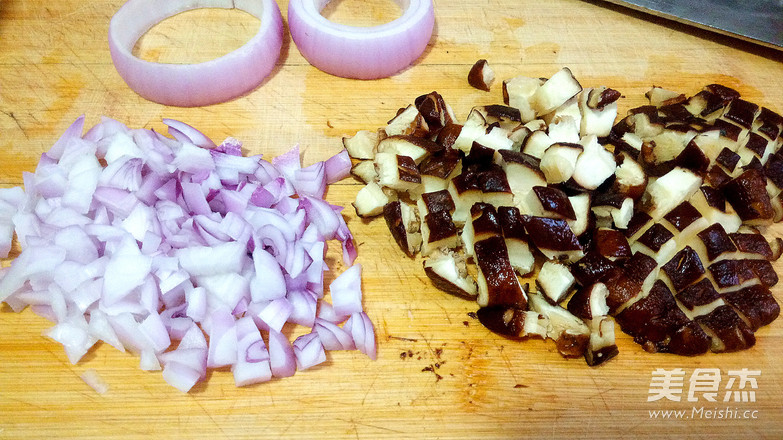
x=361 y=52
x=191 y=85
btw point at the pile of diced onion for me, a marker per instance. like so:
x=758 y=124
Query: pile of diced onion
x=185 y=253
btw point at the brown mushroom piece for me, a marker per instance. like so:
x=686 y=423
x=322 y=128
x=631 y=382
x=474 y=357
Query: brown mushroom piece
x=438 y=231
x=630 y=178
x=435 y=112
x=481 y=76
x=685 y=217
x=449 y=134
x=411 y=146
x=671 y=189
x=589 y=302
x=570 y=334
x=585 y=220
x=657 y=241
x=362 y=145
x=448 y=272
x=518 y=93
x=555 y=91
x=484 y=223
x=370 y=200
x=747 y=194
x=558 y=162
x=594 y=165
x=494 y=186
x=684 y=269
x=711 y=203
x=716 y=242
x=658 y=325
x=592 y=268
x=513 y=227
x=404 y=226
x=497 y=281
x=465 y=192
x=599 y=110
x=439 y=168
x=536 y=143
x=365 y=171
x=659 y=96
x=397 y=172
x=601 y=345
x=727 y=331
x=611 y=244
x=505 y=116
x=699 y=298
x=732 y=274
x=555 y=281
x=513 y=322
x=612 y=209
x=407 y=122
x=522 y=172
x=554 y=238
x=756 y=304
x=555 y=202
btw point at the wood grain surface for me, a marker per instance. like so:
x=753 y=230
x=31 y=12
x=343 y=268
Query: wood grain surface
x=456 y=379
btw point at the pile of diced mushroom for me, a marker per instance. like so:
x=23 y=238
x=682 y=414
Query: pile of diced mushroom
x=653 y=221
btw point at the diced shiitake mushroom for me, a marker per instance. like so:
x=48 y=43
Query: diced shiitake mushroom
x=439 y=168
x=555 y=91
x=589 y=304
x=518 y=93
x=536 y=143
x=397 y=172
x=506 y=117
x=403 y=224
x=407 y=122
x=646 y=221
x=363 y=144
x=558 y=162
x=555 y=281
x=594 y=165
x=436 y=113
x=660 y=97
x=671 y=189
x=481 y=76
x=365 y=171
x=630 y=178
x=448 y=272
x=554 y=238
x=512 y=226
x=570 y=333
x=599 y=110
x=370 y=200
x=413 y=147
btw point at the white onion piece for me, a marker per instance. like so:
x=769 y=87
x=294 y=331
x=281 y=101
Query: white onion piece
x=95 y=381
x=281 y=355
x=309 y=351
x=363 y=333
x=361 y=52
x=346 y=291
x=167 y=241
x=332 y=336
x=190 y=85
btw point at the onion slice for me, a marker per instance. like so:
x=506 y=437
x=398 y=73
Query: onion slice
x=361 y=52
x=191 y=85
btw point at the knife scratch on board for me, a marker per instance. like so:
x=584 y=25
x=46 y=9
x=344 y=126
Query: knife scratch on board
x=16 y=121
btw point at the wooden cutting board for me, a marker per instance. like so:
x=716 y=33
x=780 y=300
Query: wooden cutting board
x=439 y=373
